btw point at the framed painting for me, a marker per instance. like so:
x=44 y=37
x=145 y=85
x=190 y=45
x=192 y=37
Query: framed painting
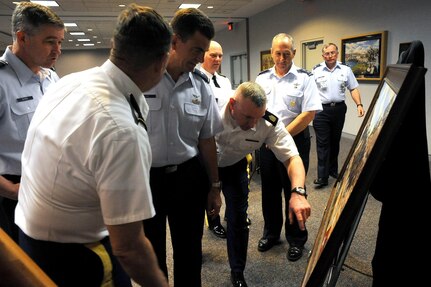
x=365 y=55
x=388 y=108
x=266 y=61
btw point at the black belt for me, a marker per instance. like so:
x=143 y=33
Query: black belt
x=174 y=167
x=333 y=104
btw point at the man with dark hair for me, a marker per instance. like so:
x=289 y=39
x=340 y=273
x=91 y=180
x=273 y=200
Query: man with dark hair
x=85 y=185
x=25 y=74
x=182 y=122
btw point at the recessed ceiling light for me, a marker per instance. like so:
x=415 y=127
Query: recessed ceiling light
x=83 y=40
x=89 y=29
x=210 y=7
x=77 y=33
x=70 y=25
x=46 y=3
x=121 y=5
x=184 y=5
x=88 y=44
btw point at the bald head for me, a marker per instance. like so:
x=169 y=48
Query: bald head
x=213 y=58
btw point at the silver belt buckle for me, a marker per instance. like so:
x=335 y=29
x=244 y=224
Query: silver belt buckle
x=171 y=168
x=333 y=104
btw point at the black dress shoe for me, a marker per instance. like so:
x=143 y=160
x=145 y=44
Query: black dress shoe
x=219 y=231
x=237 y=279
x=294 y=253
x=320 y=182
x=266 y=244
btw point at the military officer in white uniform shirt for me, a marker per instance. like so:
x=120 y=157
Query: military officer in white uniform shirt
x=293 y=96
x=220 y=84
x=182 y=122
x=247 y=125
x=332 y=79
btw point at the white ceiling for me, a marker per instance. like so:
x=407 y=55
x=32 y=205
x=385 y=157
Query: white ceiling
x=100 y=16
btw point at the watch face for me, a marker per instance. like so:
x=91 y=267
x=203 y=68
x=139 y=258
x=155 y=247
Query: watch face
x=299 y=190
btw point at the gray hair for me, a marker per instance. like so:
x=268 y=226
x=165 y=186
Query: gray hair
x=28 y=17
x=283 y=36
x=254 y=92
x=327 y=45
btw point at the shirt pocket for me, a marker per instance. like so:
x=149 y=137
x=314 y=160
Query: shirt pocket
x=322 y=83
x=154 y=112
x=194 y=119
x=342 y=82
x=22 y=113
x=293 y=101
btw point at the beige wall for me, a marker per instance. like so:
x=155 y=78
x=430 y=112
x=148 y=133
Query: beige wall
x=332 y=20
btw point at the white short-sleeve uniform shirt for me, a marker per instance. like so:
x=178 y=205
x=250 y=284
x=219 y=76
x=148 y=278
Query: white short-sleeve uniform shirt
x=291 y=94
x=332 y=84
x=180 y=113
x=85 y=161
x=233 y=143
x=225 y=91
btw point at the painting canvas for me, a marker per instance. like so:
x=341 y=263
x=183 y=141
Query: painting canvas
x=365 y=55
x=385 y=114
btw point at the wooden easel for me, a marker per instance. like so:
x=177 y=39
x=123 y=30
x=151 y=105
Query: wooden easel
x=17 y=268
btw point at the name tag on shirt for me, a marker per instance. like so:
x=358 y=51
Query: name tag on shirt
x=24 y=99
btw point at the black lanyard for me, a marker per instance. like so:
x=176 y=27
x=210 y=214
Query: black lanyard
x=135 y=108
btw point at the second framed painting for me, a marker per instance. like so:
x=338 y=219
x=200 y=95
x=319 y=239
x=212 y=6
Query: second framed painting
x=366 y=55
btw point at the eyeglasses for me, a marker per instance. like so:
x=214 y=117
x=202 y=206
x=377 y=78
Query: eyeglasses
x=332 y=53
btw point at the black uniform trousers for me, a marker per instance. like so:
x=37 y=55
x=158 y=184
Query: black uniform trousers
x=234 y=180
x=74 y=264
x=328 y=126
x=275 y=179
x=7 y=211
x=180 y=195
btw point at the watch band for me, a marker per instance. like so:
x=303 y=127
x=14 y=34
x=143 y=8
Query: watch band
x=299 y=190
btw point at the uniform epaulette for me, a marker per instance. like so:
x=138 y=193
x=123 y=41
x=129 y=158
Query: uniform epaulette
x=318 y=65
x=202 y=75
x=3 y=63
x=270 y=117
x=301 y=70
x=264 y=71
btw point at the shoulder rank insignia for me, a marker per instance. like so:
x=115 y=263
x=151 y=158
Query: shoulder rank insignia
x=264 y=71
x=318 y=65
x=270 y=117
x=305 y=71
x=3 y=63
x=202 y=75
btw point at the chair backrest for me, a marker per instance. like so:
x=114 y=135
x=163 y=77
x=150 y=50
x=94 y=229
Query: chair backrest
x=415 y=54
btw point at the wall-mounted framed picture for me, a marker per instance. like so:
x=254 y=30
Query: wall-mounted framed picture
x=366 y=55
x=266 y=61
x=390 y=104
